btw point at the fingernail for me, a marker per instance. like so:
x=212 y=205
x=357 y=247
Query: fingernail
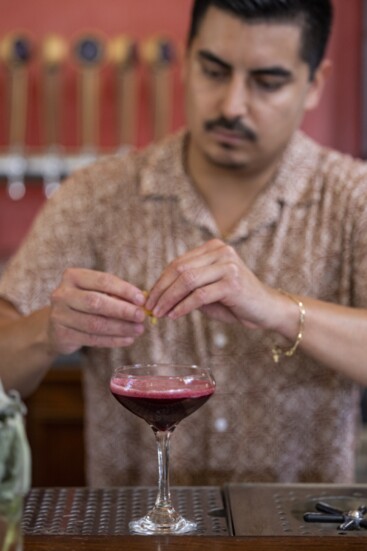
x=139 y=315
x=139 y=298
x=156 y=311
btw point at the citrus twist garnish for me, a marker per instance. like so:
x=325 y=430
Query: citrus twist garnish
x=153 y=319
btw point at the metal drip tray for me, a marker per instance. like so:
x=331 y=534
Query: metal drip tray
x=277 y=510
x=94 y=512
x=250 y=510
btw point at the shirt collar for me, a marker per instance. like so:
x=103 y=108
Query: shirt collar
x=163 y=175
x=297 y=181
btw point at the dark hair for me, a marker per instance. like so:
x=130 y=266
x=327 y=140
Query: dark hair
x=313 y=16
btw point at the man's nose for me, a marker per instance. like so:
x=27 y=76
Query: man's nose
x=236 y=98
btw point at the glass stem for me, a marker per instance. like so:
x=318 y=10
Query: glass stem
x=163 y=443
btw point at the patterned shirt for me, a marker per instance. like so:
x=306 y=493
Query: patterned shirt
x=306 y=233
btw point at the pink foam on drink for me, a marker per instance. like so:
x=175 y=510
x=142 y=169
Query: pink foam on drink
x=160 y=388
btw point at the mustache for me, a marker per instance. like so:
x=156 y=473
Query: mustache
x=234 y=125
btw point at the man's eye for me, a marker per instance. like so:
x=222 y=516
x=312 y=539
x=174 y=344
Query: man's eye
x=269 y=85
x=214 y=73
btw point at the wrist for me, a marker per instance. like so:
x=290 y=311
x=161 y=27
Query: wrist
x=43 y=338
x=293 y=327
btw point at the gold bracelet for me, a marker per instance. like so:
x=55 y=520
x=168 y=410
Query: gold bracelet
x=277 y=351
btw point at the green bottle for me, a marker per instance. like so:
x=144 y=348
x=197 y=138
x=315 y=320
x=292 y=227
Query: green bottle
x=15 y=469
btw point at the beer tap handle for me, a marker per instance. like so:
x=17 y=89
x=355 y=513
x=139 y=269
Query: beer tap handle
x=16 y=52
x=54 y=51
x=123 y=54
x=88 y=52
x=159 y=54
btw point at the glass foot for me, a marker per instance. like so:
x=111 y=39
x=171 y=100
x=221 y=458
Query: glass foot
x=162 y=522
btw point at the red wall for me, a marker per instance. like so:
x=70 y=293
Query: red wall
x=335 y=123
x=70 y=18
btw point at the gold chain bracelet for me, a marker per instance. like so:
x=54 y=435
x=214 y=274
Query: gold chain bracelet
x=277 y=351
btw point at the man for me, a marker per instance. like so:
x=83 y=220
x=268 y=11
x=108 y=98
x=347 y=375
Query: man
x=213 y=222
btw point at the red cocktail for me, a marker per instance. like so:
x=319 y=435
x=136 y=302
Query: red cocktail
x=162 y=395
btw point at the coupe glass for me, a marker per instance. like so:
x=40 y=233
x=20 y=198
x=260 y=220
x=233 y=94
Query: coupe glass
x=162 y=395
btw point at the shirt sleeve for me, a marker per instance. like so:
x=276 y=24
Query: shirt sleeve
x=359 y=239
x=60 y=237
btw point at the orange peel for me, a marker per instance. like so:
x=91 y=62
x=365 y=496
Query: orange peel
x=149 y=313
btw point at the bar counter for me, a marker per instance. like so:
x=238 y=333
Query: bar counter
x=246 y=517
x=187 y=543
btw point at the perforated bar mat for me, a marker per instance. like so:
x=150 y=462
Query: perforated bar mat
x=277 y=510
x=91 y=512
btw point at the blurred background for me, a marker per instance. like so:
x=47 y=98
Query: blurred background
x=88 y=78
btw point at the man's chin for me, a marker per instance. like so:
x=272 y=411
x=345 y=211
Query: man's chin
x=227 y=161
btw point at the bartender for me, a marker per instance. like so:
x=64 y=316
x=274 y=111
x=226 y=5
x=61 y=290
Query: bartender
x=251 y=240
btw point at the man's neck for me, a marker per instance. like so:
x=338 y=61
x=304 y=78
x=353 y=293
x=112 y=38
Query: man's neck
x=229 y=193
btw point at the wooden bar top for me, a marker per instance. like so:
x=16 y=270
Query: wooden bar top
x=191 y=543
x=238 y=517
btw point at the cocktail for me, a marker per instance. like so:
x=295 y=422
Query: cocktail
x=162 y=395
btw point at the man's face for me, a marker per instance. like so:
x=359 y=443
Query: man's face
x=246 y=90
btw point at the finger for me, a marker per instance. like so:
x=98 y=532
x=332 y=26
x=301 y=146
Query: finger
x=190 y=281
x=97 y=341
x=98 y=325
x=93 y=302
x=205 y=248
x=200 y=297
x=219 y=312
x=204 y=255
x=104 y=282
x=70 y=340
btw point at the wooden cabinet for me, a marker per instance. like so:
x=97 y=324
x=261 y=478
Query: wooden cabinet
x=55 y=428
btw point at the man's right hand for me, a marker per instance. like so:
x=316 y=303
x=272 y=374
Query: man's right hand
x=96 y=309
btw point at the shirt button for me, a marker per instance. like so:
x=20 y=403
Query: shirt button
x=221 y=424
x=220 y=340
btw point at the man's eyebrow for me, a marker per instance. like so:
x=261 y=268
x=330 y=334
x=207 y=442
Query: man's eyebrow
x=275 y=71
x=208 y=56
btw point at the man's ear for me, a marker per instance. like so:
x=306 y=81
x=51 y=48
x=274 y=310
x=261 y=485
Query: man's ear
x=317 y=84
